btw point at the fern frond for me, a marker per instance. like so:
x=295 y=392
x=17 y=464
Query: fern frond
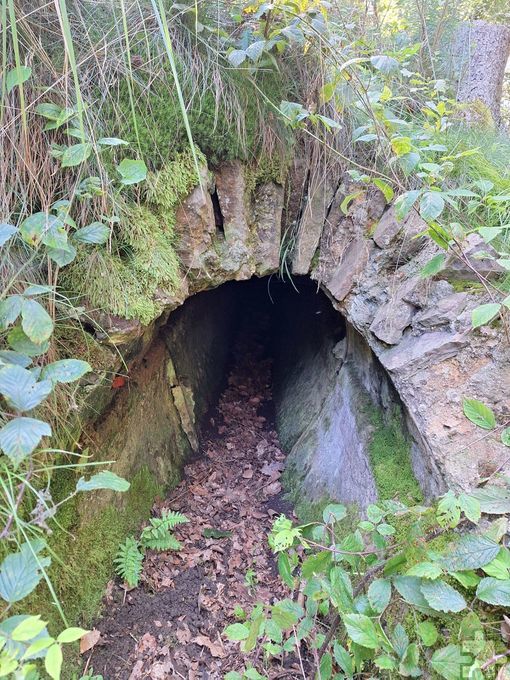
x=128 y=563
x=164 y=542
x=171 y=519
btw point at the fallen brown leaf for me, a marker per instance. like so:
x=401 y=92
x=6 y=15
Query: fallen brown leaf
x=89 y=640
x=215 y=648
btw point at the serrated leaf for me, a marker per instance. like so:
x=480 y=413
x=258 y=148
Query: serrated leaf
x=499 y=567
x=479 y=414
x=494 y=591
x=20 y=573
x=20 y=388
x=16 y=77
x=255 y=50
x=95 y=233
x=409 y=588
x=237 y=631
x=76 y=154
x=7 y=231
x=470 y=507
x=132 y=171
x=65 y=370
x=408 y=667
x=442 y=597
x=430 y=570
x=385 y=663
x=470 y=552
x=431 y=205
x=494 y=500
x=343 y=659
x=10 y=309
x=484 y=314
x=449 y=661
x=7 y=356
x=467 y=579
x=103 y=480
x=53 y=661
x=34 y=226
x=399 y=640
x=286 y=613
x=236 y=57
x=379 y=594
x=505 y=436
x=28 y=629
x=284 y=569
x=35 y=321
x=20 y=436
x=427 y=632
x=361 y=630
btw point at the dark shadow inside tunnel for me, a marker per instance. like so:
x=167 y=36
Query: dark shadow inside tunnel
x=326 y=382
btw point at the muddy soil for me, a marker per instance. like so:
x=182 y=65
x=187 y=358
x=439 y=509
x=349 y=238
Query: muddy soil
x=171 y=626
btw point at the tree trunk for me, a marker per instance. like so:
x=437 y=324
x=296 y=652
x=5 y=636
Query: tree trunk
x=481 y=55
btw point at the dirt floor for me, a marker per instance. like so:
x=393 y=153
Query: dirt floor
x=171 y=626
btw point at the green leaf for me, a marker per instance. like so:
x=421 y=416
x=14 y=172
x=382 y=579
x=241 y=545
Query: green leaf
x=62 y=256
x=431 y=205
x=286 y=613
x=10 y=309
x=379 y=594
x=430 y=570
x=334 y=512
x=343 y=659
x=209 y=532
x=7 y=231
x=399 y=640
x=20 y=436
x=467 y=579
x=500 y=566
x=103 y=480
x=16 y=77
x=236 y=57
x=448 y=510
x=385 y=663
x=494 y=500
x=344 y=206
x=505 y=436
x=35 y=321
x=9 y=357
x=111 y=141
x=442 y=597
x=433 y=266
x=479 y=414
x=20 y=388
x=428 y=633
x=450 y=661
x=237 y=631
x=96 y=233
x=34 y=226
x=385 y=529
x=326 y=666
x=386 y=189
x=71 y=635
x=255 y=50
x=132 y=171
x=494 y=591
x=20 y=573
x=470 y=507
x=53 y=661
x=409 y=665
x=471 y=551
x=65 y=370
x=284 y=569
x=401 y=145
x=76 y=154
x=405 y=202
x=384 y=64
x=409 y=588
x=38 y=289
x=484 y=314
x=361 y=630
x=22 y=344
x=28 y=629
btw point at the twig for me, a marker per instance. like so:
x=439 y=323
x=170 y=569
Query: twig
x=494 y=659
x=7 y=528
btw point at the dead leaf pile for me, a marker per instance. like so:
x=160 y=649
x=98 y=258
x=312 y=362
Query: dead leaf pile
x=172 y=625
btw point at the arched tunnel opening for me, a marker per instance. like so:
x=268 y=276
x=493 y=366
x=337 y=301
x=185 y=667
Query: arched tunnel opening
x=256 y=399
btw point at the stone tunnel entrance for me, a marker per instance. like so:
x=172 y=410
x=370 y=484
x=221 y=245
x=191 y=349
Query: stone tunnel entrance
x=331 y=398
x=281 y=403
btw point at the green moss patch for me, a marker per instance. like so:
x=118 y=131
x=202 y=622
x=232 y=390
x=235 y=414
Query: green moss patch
x=390 y=457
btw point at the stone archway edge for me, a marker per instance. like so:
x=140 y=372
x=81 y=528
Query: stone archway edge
x=368 y=263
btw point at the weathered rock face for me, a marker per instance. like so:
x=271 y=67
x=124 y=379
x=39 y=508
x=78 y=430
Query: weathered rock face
x=368 y=264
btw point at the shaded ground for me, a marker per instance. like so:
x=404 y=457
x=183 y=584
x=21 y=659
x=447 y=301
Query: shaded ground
x=171 y=625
